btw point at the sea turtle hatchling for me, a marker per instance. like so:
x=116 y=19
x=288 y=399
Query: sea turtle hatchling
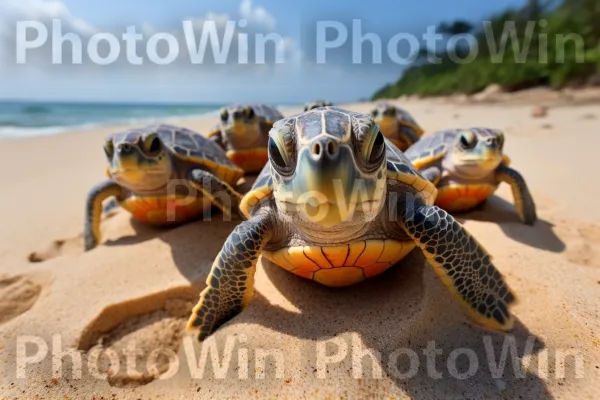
x=243 y=132
x=316 y=104
x=162 y=175
x=467 y=165
x=397 y=125
x=337 y=204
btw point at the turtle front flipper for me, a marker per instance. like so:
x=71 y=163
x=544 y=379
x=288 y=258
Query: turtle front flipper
x=93 y=211
x=523 y=200
x=462 y=264
x=231 y=279
x=214 y=189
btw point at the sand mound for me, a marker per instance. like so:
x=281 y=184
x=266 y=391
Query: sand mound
x=17 y=295
x=148 y=329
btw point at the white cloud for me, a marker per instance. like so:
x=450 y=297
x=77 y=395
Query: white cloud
x=259 y=21
x=42 y=10
x=256 y=15
x=181 y=81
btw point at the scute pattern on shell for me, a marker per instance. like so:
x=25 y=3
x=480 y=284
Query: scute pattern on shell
x=181 y=141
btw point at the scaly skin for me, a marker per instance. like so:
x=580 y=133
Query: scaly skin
x=524 y=203
x=462 y=264
x=340 y=248
x=93 y=211
x=230 y=283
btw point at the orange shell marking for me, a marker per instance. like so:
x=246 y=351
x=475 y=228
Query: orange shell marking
x=458 y=198
x=342 y=265
x=165 y=210
x=251 y=161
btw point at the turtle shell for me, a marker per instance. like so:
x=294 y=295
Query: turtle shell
x=407 y=120
x=430 y=148
x=433 y=147
x=187 y=145
x=399 y=168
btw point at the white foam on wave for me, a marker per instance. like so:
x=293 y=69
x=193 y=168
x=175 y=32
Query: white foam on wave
x=11 y=132
x=7 y=132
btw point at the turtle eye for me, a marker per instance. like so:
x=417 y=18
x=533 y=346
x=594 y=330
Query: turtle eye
x=152 y=145
x=278 y=160
x=249 y=111
x=125 y=148
x=224 y=115
x=377 y=150
x=468 y=140
x=109 y=149
x=374 y=112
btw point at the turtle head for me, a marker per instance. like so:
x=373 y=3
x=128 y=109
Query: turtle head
x=138 y=160
x=477 y=152
x=328 y=168
x=385 y=115
x=240 y=125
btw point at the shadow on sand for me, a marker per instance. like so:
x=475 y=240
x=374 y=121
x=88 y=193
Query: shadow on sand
x=499 y=211
x=193 y=244
x=403 y=308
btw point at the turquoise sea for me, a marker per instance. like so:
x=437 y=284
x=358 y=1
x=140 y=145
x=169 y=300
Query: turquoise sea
x=19 y=119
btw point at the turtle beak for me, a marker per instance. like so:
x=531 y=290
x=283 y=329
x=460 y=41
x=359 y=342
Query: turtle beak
x=328 y=187
x=242 y=131
x=486 y=155
x=236 y=124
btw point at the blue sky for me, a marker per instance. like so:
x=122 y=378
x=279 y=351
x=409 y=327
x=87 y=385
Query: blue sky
x=297 y=80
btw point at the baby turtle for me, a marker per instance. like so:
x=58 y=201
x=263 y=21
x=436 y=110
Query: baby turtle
x=243 y=132
x=337 y=204
x=467 y=165
x=317 y=104
x=162 y=175
x=397 y=125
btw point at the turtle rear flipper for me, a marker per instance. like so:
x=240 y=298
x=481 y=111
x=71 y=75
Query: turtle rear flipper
x=524 y=203
x=462 y=264
x=231 y=279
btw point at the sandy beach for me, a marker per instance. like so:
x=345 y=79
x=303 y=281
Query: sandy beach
x=297 y=339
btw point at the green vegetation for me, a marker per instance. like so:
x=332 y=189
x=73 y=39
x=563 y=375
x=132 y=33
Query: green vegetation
x=545 y=44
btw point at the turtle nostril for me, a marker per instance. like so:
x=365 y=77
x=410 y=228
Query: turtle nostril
x=316 y=149
x=331 y=148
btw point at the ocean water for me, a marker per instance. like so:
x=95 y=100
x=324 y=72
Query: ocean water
x=18 y=119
